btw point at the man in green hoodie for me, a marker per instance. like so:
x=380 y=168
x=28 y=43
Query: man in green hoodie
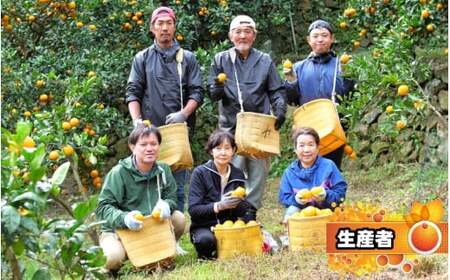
x=138 y=184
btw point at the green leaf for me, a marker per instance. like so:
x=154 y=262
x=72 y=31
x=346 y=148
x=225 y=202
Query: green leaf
x=29 y=196
x=18 y=247
x=42 y=274
x=22 y=130
x=60 y=174
x=66 y=256
x=30 y=224
x=103 y=140
x=51 y=75
x=10 y=219
x=83 y=209
x=99 y=275
x=37 y=174
x=78 y=269
x=38 y=157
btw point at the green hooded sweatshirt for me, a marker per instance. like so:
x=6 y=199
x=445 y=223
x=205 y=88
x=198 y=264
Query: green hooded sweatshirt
x=126 y=189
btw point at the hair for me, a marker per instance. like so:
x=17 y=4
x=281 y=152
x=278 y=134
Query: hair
x=218 y=137
x=305 y=131
x=143 y=130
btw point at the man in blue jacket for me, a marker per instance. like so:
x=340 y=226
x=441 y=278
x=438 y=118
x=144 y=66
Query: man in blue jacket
x=313 y=78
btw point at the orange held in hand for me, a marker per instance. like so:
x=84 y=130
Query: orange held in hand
x=306 y=194
x=221 y=78
x=139 y=217
x=316 y=190
x=156 y=214
x=239 y=192
x=287 y=64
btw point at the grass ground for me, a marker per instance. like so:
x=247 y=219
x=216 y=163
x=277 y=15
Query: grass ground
x=394 y=186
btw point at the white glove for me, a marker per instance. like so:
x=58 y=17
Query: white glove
x=299 y=197
x=137 y=122
x=228 y=202
x=131 y=222
x=291 y=210
x=164 y=209
x=320 y=196
x=289 y=75
x=177 y=117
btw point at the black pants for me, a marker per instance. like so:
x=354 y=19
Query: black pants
x=204 y=242
x=336 y=156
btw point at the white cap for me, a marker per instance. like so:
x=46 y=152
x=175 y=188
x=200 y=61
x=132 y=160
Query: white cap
x=241 y=21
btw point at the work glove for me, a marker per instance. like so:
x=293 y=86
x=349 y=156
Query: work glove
x=177 y=117
x=164 y=209
x=137 y=122
x=291 y=210
x=279 y=122
x=320 y=196
x=228 y=202
x=131 y=222
x=289 y=75
x=299 y=197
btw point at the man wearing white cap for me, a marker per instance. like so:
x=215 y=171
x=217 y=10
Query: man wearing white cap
x=253 y=73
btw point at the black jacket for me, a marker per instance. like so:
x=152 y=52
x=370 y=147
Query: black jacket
x=261 y=86
x=154 y=83
x=205 y=190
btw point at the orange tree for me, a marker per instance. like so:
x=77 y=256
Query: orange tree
x=385 y=39
x=37 y=246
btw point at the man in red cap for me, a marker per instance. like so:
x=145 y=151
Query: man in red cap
x=158 y=91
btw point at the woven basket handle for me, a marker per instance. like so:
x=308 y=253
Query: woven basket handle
x=232 y=52
x=157 y=181
x=179 y=59
x=333 y=93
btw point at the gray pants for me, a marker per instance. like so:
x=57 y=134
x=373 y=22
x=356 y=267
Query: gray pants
x=256 y=171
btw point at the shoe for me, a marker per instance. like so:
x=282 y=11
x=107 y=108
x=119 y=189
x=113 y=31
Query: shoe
x=180 y=251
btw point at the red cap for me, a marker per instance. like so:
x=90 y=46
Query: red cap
x=162 y=11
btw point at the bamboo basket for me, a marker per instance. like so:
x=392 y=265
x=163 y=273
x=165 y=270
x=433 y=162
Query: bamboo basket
x=321 y=115
x=246 y=240
x=175 y=149
x=256 y=135
x=154 y=244
x=308 y=232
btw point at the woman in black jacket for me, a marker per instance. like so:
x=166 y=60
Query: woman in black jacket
x=210 y=199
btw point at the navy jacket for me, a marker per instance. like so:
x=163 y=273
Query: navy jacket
x=315 y=76
x=323 y=173
x=205 y=190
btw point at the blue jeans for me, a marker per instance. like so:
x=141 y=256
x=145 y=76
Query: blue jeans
x=181 y=177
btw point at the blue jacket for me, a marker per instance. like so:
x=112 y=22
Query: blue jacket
x=315 y=76
x=323 y=173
